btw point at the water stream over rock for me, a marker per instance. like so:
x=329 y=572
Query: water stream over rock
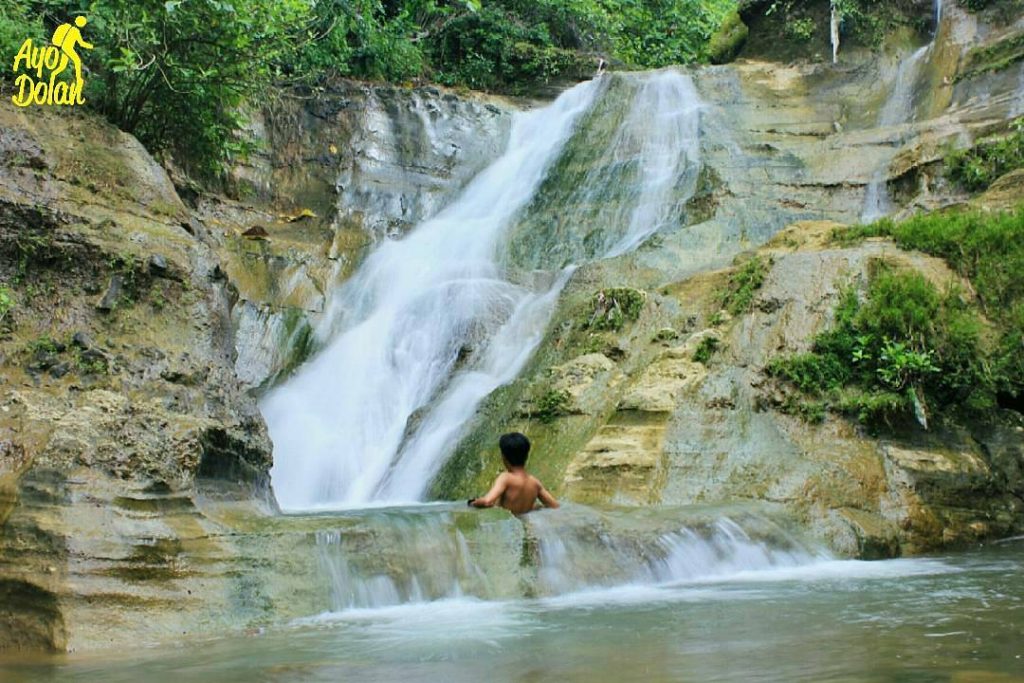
x=432 y=323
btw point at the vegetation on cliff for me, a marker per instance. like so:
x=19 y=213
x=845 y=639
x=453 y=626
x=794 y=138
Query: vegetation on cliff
x=977 y=167
x=177 y=74
x=905 y=348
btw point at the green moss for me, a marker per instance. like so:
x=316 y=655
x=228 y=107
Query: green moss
x=665 y=334
x=992 y=58
x=610 y=309
x=728 y=40
x=743 y=285
x=7 y=302
x=707 y=348
x=553 y=403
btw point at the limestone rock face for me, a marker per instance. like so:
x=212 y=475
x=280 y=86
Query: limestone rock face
x=788 y=153
x=118 y=366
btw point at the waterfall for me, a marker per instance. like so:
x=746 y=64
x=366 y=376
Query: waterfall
x=834 y=20
x=898 y=109
x=1017 y=108
x=432 y=323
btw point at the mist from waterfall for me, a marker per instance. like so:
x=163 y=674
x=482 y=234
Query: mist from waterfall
x=432 y=322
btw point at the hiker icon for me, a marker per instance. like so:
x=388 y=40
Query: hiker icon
x=66 y=37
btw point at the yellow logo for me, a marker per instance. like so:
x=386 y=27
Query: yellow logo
x=55 y=59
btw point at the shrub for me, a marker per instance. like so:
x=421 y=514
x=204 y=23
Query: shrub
x=743 y=284
x=980 y=166
x=904 y=346
x=610 y=309
x=552 y=404
x=706 y=349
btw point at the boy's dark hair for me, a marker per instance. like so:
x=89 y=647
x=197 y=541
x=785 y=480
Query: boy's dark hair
x=515 y=448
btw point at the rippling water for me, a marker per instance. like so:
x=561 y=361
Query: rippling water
x=952 y=618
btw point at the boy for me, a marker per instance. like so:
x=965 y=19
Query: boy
x=515 y=489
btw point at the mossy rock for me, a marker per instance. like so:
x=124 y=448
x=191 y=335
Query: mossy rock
x=728 y=40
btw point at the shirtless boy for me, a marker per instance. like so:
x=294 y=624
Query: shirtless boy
x=515 y=489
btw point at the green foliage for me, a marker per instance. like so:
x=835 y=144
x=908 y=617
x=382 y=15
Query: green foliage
x=552 y=404
x=706 y=349
x=980 y=166
x=985 y=247
x=904 y=340
x=90 y=363
x=743 y=285
x=988 y=249
x=179 y=73
x=18 y=21
x=610 y=309
x=6 y=302
x=656 y=33
x=42 y=345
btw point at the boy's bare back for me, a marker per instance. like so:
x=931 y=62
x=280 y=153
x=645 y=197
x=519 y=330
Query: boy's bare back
x=515 y=489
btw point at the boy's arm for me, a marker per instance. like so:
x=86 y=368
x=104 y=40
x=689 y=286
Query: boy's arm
x=546 y=498
x=491 y=498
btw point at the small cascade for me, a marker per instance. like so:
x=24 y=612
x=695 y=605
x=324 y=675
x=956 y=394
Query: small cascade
x=835 y=19
x=1017 y=108
x=415 y=557
x=898 y=110
x=627 y=173
x=571 y=560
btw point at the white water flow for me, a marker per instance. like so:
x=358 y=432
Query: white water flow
x=1017 y=108
x=661 y=134
x=430 y=325
x=404 y=318
x=426 y=557
x=898 y=109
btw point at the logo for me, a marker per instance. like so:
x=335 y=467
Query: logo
x=32 y=61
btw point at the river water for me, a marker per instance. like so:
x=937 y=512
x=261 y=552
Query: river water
x=722 y=611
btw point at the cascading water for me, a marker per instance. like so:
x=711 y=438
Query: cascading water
x=426 y=555
x=432 y=323
x=404 y=319
x=898 y=109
